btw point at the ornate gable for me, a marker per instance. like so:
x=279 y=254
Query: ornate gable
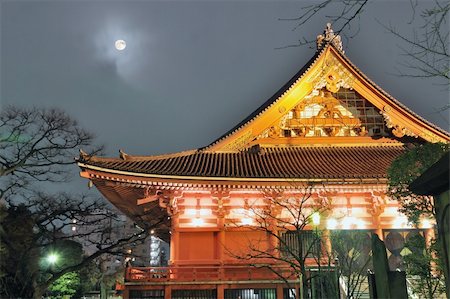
x=329 y=102
x=341 y=114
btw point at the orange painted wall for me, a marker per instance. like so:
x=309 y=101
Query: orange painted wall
x=238 y=243
x=208 y=246
x=196 y=246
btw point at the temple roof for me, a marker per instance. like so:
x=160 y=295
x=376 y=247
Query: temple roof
x=325 y=162
x=329 y=121
x=330 y=59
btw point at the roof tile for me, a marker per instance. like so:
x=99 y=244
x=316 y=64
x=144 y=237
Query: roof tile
x=289 y=162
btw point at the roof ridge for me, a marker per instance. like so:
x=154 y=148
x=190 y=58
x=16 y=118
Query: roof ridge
x=272 y=100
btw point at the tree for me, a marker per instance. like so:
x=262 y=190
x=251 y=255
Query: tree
x=293 y=237
x=281 y=217
x=353 y=250
x=426 y=48
x=423 y=260
x=36 y=145
x=404 y=170
x=19 y=257
x=422 y=264
x=36 y=148
x=65 y=286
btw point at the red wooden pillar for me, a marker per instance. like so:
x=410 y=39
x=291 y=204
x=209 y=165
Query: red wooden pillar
x=279 y=291
x=220 y=291
x=174 y=240
x=167 y=292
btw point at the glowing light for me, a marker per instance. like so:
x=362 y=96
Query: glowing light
x=400 y=222
x=240 y=211
x=120 y=44
x=426 y=223
x=191 y=212
x=315 y=218
x=201 y=212
x=198 y=221
x=348 y=222
x=52 y=258
x=360 y=224
x=205 y=212
x=332 y=223
x=246 y=221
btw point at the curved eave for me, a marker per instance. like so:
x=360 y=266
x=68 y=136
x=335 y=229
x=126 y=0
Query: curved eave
x=145 y=178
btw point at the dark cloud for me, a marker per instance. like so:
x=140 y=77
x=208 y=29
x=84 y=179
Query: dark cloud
x=191 y=70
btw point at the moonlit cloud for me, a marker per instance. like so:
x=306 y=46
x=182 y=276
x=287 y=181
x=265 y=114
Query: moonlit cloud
x=191 y=69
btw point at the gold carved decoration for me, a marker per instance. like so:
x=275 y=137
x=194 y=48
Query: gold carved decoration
x=431 y=137
x=333 y=75
x=329 y=36
x=240 y=142
x=398 y=130
x=377 y=204
x=221 y=197
x=321 y=115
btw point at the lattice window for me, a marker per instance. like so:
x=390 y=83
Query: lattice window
x=369 y=115
x=308 y=240
x=342 y=114
x=250 y=293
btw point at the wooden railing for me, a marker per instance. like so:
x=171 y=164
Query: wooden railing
x=208 y=273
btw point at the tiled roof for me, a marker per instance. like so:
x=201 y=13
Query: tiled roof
x=326 y=162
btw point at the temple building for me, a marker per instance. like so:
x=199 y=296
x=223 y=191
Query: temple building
x=313 y=156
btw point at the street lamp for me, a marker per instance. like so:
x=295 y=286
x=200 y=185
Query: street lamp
x=315 y=218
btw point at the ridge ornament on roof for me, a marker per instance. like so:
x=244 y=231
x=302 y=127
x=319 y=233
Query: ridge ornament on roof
x=329 y=36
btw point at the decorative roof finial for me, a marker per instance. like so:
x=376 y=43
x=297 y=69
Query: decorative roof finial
x=328 y=36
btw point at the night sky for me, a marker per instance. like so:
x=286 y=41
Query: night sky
x=191 y=69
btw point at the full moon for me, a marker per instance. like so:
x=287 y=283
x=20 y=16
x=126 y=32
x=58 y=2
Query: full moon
x=120 y=44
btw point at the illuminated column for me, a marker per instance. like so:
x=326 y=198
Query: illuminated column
x=273 y=240
x=220 y=197
x=220 y=291
x=375 y=209
x=167 y=292
x=220 y=235
x=174 y=240
x=429 y=233
x=279 y=291
x=326 y=243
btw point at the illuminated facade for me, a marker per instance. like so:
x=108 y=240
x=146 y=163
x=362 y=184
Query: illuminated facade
x=324 y=140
